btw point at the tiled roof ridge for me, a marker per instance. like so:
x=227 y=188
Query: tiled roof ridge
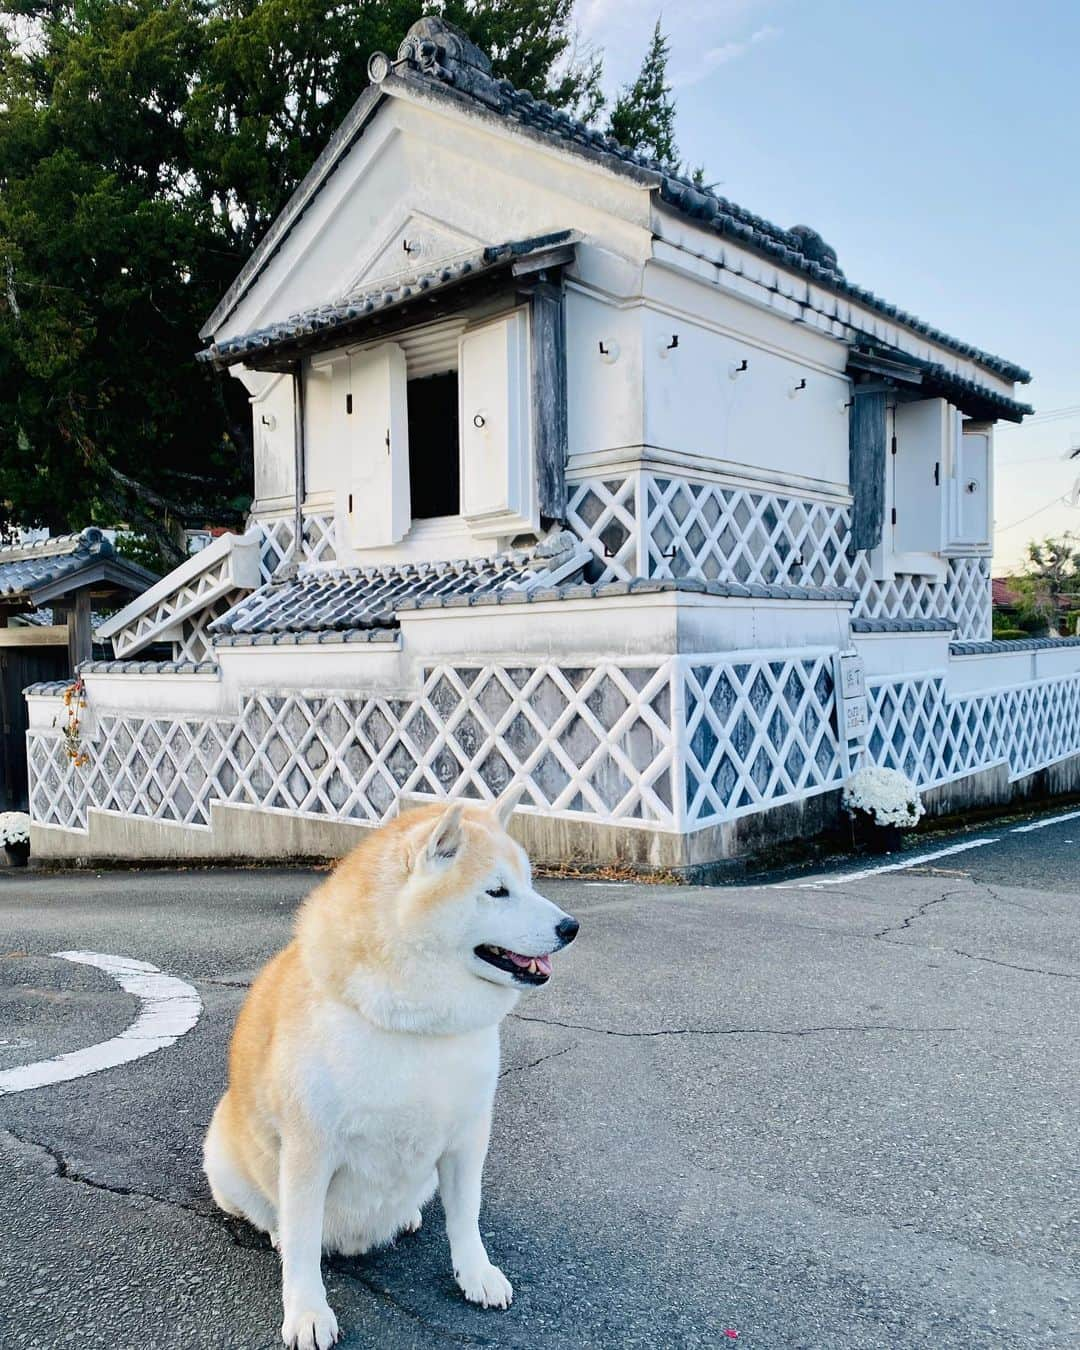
x=440 y=54
x=586 y=590
x=900 y=625
x=121 y=667
x=90 y=540
x=996 y=646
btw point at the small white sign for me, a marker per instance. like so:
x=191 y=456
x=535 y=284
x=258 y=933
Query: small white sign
x=851 y=696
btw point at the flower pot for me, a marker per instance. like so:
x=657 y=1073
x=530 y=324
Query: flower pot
x=18 y=854
x=869 y=837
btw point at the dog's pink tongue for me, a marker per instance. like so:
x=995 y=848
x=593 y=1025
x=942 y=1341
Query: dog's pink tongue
x=543 y=963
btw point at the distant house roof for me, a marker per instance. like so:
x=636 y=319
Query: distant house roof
x=275 y=344
x=348 y=599
x=438 y=60
x=1003 y=595
x=34 y=574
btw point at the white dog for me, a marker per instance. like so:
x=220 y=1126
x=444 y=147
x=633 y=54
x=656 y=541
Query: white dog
x=363 y=1066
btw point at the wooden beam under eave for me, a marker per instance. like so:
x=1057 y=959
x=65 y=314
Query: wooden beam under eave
x=547 y=300
x=80 y=635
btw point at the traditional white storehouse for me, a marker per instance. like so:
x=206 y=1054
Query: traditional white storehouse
x=572 y=474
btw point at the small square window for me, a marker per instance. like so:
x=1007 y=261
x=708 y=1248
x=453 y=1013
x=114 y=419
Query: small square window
x=434 y=464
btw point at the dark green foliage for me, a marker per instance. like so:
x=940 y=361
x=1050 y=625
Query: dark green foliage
x=145 y=146
x=643 y=116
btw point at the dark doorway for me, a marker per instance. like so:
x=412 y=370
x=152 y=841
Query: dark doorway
x=434 y=471
x=20 y=666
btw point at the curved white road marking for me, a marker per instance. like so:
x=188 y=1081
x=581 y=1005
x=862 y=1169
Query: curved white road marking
x=170 y=1007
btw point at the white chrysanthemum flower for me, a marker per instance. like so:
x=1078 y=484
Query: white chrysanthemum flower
x=14 y=827
x=886 y=795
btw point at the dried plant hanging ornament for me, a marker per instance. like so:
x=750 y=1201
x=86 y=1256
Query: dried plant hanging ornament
x=74 y=703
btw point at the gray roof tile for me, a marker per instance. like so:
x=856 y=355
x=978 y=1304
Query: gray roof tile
x=148 y=668
x=352 y=309
x=1004 y=645
x=902 y=625
x=340 y=599
x=25 y=568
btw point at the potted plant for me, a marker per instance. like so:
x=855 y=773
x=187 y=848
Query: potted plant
x=15 y=835
x=882 y=804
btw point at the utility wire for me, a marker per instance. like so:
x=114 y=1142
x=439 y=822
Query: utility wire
x=1053 y=415
x=1000 y=529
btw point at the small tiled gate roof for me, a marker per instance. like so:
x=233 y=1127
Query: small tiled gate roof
x=32 y=574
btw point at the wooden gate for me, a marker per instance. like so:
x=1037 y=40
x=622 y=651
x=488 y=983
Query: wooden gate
x=20 y=666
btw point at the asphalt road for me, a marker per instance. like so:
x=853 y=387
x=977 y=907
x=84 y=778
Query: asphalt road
x=820 y=1115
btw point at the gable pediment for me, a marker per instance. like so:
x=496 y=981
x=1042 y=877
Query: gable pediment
x=416 y=243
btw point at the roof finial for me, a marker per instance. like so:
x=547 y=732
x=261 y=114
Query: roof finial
x=439 y=50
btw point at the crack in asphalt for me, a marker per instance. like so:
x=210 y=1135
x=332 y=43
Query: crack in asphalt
x=916 y=914
x=727 y=1031
x=1012 y=904
x=240 y=1232
x=242 y=1235
x=1009 y=965
x=973 y=956
x=521 y=1068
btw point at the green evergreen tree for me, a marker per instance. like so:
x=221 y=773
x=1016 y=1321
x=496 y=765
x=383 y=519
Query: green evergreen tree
x=643 y=115
x=145 y=147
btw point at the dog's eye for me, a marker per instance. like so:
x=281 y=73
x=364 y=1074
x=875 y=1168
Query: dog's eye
x=499 y=893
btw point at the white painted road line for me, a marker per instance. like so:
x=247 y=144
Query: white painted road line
x=170 y=1007
x=914 y=860
x=1042 y=824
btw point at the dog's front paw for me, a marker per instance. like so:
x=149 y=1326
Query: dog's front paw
x=311 y=1328
x=485 y=1284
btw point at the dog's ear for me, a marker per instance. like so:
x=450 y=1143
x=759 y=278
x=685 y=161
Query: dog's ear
x=446 y=837
x=507 y=805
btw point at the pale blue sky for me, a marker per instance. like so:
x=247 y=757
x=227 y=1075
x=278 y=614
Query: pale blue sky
x=936 y=146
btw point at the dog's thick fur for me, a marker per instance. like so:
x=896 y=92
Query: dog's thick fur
x=363 y=1065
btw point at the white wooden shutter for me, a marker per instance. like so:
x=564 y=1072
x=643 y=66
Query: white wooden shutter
x=972 y=488
x=498 y=476
x=921 y=431
x=377 y=435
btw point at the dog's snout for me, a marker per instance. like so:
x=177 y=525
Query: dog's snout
x=567 y=929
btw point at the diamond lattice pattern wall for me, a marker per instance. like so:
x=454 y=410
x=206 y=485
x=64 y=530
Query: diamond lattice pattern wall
x=642 y=524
